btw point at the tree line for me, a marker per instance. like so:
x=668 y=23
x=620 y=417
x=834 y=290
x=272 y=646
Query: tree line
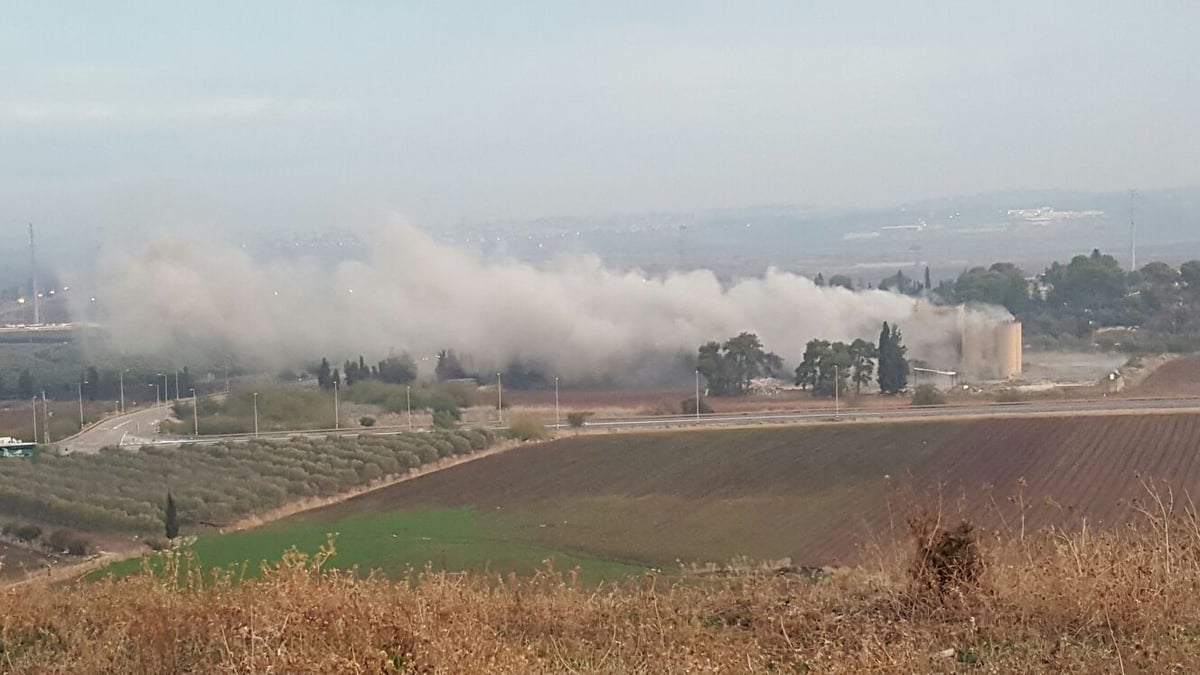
x=826 y=367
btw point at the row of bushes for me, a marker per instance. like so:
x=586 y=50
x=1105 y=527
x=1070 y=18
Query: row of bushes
x=60 y=541
x=119 y=490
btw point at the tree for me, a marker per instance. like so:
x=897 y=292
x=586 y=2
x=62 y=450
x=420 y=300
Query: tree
x=398 y=369
x=25 y=384
x=898 y=283
x=730 y=367
x=893 y=366
x=335 y=380
x=928 y=283
x=171 y=518
x=448 y=366
x=819 y=279
x=806 y=372
x=323 y=374
x=1189 y=272
x=862 y=356
x=91 y=383
x=841 y=280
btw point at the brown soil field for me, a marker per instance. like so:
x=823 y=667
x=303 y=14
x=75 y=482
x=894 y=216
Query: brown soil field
x=819 y=494
x=1178 y=377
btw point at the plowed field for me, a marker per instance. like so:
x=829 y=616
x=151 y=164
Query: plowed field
x=815 y=494
x=1180 y=377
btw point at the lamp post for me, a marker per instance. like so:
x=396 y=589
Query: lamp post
x=122 y=378
x=35 y=419
x=408 y=402
x=337 y=423
x=176 y=385
x=556 y=418
x=81 y=403
x=256 y=414
x=45 y=420
x=697 y=395
x=837 y=385
x=499 y=399
x=195 y=413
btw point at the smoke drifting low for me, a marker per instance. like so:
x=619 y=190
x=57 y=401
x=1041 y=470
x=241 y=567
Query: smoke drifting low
x=575 y=318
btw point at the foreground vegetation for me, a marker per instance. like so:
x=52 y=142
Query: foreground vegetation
x=1058 y=601
x=125 y=491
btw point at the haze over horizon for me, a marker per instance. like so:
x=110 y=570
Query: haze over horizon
x=234 y=118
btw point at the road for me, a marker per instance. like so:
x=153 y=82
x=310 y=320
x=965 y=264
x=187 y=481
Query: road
x=140 y=427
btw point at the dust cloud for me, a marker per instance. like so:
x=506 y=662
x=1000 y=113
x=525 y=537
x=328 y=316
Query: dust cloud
x=574 y=317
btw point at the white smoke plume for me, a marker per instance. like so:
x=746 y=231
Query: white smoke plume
x=577 y=319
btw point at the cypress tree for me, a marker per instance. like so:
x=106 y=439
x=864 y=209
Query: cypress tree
x=170 y=518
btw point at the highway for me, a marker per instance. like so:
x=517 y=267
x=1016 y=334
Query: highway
x=140 y=427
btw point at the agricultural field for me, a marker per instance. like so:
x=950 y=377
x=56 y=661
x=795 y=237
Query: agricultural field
x=1179 y=377
x=817 y=495
x=124 y=492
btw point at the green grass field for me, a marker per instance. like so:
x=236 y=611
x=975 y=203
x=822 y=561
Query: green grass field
x=817 y=495
x=393 y=543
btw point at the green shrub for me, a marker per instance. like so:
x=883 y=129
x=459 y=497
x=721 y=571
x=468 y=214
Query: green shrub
x=927 y=394
x=527 y=429
x=366 y=421
x=578 y=419
x=25 y=533
x=70 y=541
x=446 y=419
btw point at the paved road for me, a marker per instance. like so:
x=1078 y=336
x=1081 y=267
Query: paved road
x=140 y=427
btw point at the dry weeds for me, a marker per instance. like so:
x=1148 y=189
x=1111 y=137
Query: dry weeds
x=1058 y=601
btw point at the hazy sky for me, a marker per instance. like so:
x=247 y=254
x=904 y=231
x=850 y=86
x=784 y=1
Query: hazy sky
x=244 y=114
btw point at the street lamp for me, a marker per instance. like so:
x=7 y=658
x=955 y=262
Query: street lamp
x=176 y=385
x=556 y=418
x=45 y=420
x=337 y=423
x=408 y=400
x=256 y=414
x=195 y=413
x=122 y=378
x=499 y=399
x=697 y=395
x=837 y=385
x=81 y=403
x=35 y=419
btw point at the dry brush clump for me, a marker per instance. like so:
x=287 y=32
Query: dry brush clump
x=1059 y=601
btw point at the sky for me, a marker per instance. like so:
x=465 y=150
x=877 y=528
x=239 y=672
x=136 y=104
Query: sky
x=231 y=116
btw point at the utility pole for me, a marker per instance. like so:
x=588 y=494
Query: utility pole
x=499 y=399
x=195 y=414
x=837 y=386
x=556 y=418
x=697 y=396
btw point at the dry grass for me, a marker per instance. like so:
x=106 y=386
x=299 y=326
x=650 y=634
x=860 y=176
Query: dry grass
x=1059 y=601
